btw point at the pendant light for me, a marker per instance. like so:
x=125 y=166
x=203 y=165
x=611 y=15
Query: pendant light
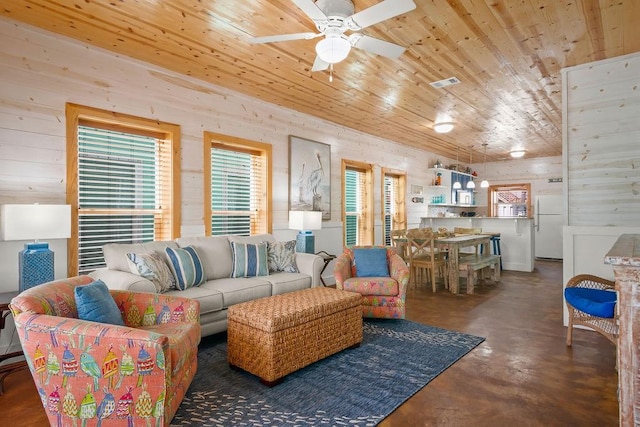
x=457 y=185
x=485 y=183
x=470 y=184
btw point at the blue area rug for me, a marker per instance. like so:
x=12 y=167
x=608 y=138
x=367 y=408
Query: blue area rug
x=356 y=387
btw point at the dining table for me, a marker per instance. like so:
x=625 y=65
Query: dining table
x=453 y=245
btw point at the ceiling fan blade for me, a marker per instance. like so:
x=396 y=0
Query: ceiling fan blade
x=311 y=10
x=283 y=37
x=319 y=64
x=377 y=13
x=377 y=46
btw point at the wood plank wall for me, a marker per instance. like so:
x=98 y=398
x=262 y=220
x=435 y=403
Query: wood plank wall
x=41 y=71
x=601 y=127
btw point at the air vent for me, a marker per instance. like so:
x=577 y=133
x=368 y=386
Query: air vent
x=444 y=83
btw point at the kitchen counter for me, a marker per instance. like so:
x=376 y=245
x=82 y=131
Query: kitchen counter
x=516 y=236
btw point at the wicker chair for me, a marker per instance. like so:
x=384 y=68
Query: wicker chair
x=607 y=326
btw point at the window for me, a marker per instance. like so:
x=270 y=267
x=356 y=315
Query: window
x=238 y=186
x=394 y=215
x=511 y=200
x=357 y=197
x=122 y=182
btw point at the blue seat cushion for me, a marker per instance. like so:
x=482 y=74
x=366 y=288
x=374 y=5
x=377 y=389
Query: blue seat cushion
x=596 y=302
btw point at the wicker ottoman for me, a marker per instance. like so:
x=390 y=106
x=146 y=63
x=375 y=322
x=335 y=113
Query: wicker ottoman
x=274 y=336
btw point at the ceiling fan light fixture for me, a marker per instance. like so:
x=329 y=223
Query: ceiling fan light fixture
x=443 y=127
x=333 y=49
x=516 y=154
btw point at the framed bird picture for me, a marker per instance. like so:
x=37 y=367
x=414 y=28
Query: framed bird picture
x=309 y=176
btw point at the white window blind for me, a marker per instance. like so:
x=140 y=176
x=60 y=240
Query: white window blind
x=390 y=190
x=354 y=205
x=124 y=185
x=237 y=192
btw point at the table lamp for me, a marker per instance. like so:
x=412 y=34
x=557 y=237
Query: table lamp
x=305 y=221
x=34 y=222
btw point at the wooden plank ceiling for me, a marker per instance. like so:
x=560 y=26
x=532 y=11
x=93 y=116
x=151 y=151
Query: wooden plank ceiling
x=507 y=54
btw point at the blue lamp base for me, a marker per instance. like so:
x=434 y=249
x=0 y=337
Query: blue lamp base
x=35 y=263
x=305 y=242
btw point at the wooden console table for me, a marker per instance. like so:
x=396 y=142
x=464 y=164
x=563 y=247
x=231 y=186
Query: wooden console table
x=624 y=256
x=5 y=299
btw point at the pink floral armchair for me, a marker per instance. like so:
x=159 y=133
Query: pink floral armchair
x=101 y=374
x=382 y=297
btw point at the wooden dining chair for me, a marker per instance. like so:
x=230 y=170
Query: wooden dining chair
x=398 y=239
x=425 y=258
x=463 y=230
x=470 y=230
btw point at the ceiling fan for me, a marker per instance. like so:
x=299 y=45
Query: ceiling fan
x=333 y=18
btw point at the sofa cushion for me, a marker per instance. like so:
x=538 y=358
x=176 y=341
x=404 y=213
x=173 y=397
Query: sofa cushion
x=115 y=254
x=371 y=262
x=249 y=260
x=154 y=267
x=215 y=254
x=96 y=304
x=282 y=283
x=210 y=300
x=186 y=267
x=241 y=289
x=282 y=256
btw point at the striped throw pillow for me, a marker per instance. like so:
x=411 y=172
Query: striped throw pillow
x=249 y=260
x=186 y=267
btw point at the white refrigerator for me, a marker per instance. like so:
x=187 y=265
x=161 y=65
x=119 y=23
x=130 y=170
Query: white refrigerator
x=548 y=225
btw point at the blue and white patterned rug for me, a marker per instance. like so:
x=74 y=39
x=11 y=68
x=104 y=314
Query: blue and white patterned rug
x=356 y=387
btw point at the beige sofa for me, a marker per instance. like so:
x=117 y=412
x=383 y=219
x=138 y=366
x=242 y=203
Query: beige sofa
x=220 y=290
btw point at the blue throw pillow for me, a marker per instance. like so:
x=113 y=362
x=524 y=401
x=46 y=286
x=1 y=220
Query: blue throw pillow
x=249 y=260
x=186 y=267
x=371 y=262
x=596 y=302
x=96 y=304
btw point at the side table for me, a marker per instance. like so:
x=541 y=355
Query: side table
x=327 y=258
x=5 y=299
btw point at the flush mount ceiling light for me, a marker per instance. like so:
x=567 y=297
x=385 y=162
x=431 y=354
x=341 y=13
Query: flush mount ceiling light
x=443 y=127
x=516 y=154
x=333 y=49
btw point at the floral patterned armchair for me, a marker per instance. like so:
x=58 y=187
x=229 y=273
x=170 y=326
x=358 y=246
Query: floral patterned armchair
x=92 y=373
x=382 y=297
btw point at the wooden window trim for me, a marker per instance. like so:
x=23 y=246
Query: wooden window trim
x=400 y=220
x=498 y=187
x=367 y=229
x=212 y=139
x=81 y=115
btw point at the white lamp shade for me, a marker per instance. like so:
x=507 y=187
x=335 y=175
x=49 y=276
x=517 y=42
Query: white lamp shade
x=35 y=222
x=457 y=185
x=333 y=49
x=305 y=220
x=471 y=184
x=484 y=184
